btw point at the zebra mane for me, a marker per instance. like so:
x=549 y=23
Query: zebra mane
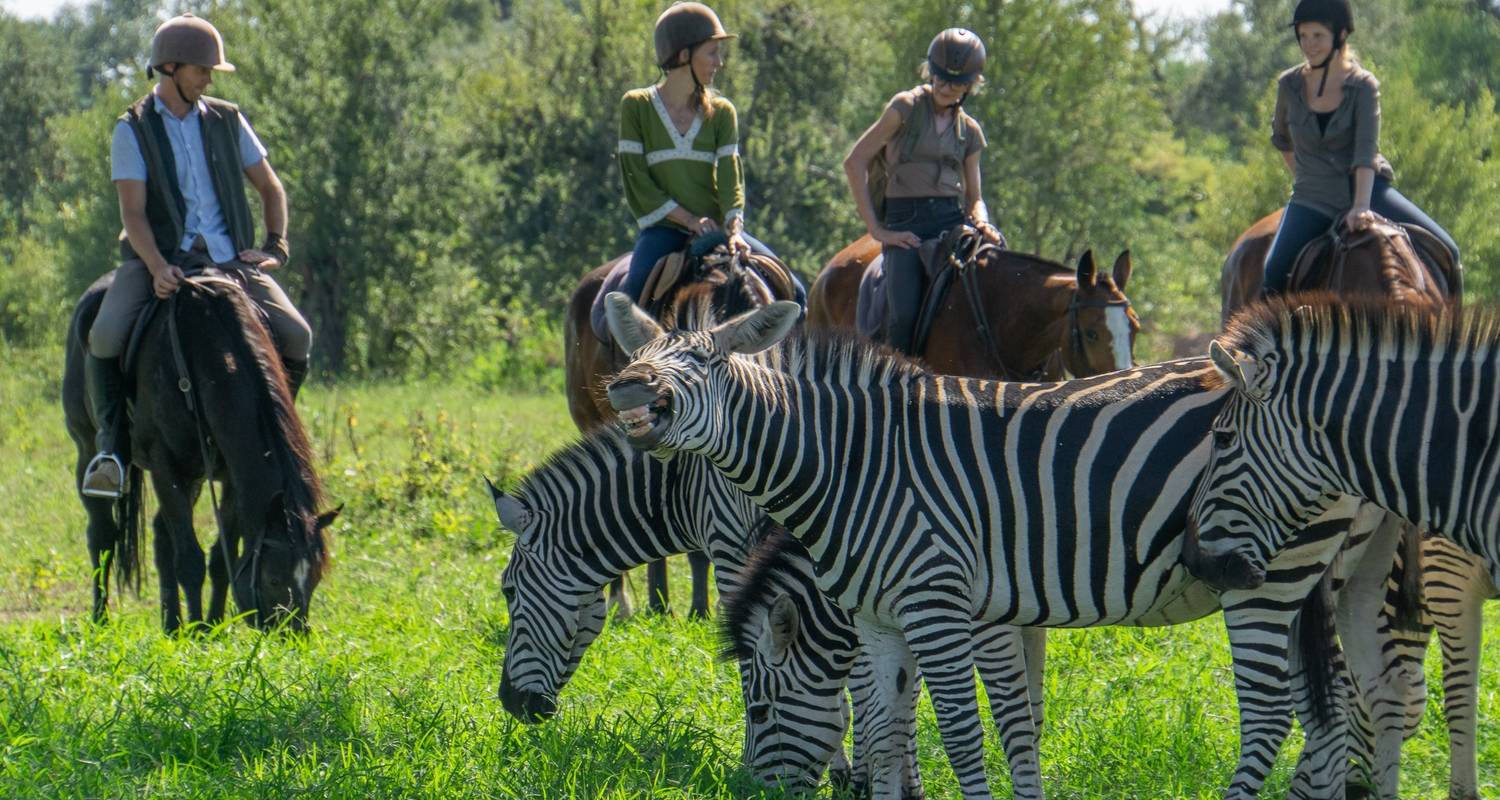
x=772 y=550
x=596 y=448
x=819 y=356
x=1322 y=323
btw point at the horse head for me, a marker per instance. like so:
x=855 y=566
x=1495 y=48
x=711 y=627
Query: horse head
x=1101 y=330
x=284 y=557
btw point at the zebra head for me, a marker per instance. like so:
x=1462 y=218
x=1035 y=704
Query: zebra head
x=665 y=396
x=795 y=650
x=1263 y=482
x=554 y=617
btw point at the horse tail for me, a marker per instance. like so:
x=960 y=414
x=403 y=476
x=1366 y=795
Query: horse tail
x=1407 y=598
x=1315 y=636
x=131 y=511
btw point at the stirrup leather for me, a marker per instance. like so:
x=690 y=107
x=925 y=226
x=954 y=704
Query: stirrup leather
x=96 y=482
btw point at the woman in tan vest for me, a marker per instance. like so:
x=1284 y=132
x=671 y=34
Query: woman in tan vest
x=931 y=151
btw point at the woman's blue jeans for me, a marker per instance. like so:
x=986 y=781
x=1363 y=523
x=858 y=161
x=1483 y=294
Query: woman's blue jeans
x=1300 y=225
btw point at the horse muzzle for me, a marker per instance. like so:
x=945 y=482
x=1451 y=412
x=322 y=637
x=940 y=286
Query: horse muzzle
x=1233 y=570
x=644 y=407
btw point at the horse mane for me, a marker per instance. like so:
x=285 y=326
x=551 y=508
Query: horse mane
x=275 y=411
x=1323 y=323
x=772 y=550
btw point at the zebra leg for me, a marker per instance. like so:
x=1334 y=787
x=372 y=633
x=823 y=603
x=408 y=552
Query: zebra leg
x=1035 y=642
x=885 y=725
x=1322 y=767
x=1000 y=653
x=1259 y=645
x=873 y=722
x=1457 y=586
x=941 y=640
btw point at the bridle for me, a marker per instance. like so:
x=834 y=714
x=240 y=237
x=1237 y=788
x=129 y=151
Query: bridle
x=1076 y=350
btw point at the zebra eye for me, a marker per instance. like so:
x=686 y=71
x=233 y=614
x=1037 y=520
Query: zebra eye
x=699 y=353
x=759 y=713
x=1223 y=437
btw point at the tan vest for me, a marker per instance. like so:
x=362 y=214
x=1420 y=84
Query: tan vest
x=935 y=164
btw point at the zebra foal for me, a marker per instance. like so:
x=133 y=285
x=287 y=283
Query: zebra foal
x=910 y=493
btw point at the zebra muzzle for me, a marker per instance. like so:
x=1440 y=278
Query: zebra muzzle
x=1233 y=570
x=643 y=409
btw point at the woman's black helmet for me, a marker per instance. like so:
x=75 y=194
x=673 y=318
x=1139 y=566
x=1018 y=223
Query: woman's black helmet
x=1336 y=14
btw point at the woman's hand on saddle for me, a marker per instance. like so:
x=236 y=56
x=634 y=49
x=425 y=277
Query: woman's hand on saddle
x=903 y=239
x=737 y=244
x=164 y=281
x=1358 y=219
x=259 y=259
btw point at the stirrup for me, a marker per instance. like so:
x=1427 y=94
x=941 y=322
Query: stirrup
x=96 y=479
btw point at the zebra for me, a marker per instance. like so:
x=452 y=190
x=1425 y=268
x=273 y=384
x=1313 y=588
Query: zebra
x=918 y=541
x=1399 y=406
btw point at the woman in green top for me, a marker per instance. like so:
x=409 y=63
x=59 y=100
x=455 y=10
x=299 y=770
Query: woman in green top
x=1327 y=127
x=932 y=154
x=679 y=147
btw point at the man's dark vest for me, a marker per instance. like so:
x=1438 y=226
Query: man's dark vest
x=165 y=209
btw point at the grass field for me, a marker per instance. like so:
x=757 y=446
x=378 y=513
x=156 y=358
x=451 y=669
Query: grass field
x=394 y=694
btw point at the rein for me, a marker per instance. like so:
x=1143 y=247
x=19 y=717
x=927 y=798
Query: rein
x=964 y=258
x=205 y=440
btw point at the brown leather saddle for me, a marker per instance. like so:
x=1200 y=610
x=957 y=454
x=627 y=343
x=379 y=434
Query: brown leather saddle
x=1325 y=262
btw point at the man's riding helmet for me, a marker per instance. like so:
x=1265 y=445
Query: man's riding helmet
x=684 y=26
x=189 y=40
x=1336 y=14
x=956 y=56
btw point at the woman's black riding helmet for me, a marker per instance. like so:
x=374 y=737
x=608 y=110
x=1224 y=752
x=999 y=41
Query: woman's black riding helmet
x=1335 y=14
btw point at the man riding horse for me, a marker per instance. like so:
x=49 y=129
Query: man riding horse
x=179 y=160
x=915 y=173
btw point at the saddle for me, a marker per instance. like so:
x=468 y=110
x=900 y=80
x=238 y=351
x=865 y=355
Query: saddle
x=1323 y=262
x=685 y=266
x=951 y=256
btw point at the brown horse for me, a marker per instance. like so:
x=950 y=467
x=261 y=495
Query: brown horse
x=1043 y=318
x=715 y=295
x=1384 y=260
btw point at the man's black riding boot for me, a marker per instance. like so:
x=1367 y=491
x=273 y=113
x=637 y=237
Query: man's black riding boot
x=105 y=386
x=296 y=373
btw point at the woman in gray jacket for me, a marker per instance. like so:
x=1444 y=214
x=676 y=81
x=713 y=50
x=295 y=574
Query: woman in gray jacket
x=1327 y=127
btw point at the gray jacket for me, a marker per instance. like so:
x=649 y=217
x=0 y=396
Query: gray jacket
x=1325 y=160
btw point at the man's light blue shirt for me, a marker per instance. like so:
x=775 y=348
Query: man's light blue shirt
x=204 y=217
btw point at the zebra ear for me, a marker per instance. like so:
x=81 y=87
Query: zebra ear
x=754 y=331
x=513 y=514
x=784 y=623
x=1238 y=369
x=631 y=327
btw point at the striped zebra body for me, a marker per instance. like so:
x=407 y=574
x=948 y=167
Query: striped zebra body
x=1398 y=406
x=928 y=501
x=599 y=508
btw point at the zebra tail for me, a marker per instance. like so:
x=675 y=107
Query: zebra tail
x=1408 y=600
x=131 y=517
x=1319 y=646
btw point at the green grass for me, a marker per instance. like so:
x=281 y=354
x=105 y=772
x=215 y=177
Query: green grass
x=394 y=694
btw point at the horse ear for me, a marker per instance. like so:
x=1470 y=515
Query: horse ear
x=327 y=517
x=756 y=330
x=1088 y=274
x=276 y=511
x=631 y=327
x=513 y=514
x=784 y=624
x=1121 y=271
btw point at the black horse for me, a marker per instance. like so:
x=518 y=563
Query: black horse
x=232 y=409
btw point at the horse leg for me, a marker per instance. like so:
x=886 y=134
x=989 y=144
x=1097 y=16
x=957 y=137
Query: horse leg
x=619 y=599
x=698 y=561
x=218 y=573
x=102 y=535
x=656 y=587
x=176 y=521
x=166 y=575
